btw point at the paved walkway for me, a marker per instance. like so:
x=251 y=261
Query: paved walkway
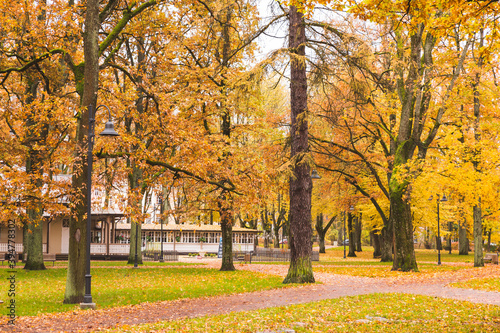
x=334 y=286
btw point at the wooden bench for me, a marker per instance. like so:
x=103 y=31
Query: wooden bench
x=46 y=257
x=50 y=257
x=6 y=257
x=491 y=258
x=247 y=257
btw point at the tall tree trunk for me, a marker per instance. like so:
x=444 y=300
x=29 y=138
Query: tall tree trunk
x=225 y=203
x=351 y=220
x=33 y=248
x=340 y=232
x=439 y=245
x=26 y=240
x=226 y=224
x=300 y=270
x=386 y=237
x=463 y=241
x=135 y=179
x=358 y=230
x=321 y=232
x=448 y=240
x=377 y=253
x=35 y=216
x=478 y=236
x=427 y=238
x=77 y=255
x=276 y=231
x=477 y=213
x=136 y=175
x=135 y=241
x=404 y=252
x=488 y=244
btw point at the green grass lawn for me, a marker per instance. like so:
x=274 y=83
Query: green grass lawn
x=43 y=291
x=369 y=313
x=107 y=263
x=488 y=284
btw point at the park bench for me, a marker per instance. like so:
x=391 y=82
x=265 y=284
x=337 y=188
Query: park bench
x=491 y=258
x=5 y=257
x=247 y=257
x=46 y=257
x=49 y=257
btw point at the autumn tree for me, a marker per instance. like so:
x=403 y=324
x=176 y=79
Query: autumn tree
x=411 y=116
x=35 y=120
x=86 y=75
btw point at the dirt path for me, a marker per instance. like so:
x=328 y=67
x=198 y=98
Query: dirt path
x=333 y=286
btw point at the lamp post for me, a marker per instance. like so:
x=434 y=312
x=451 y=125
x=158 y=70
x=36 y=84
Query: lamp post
x=438 y=243
x=109 y=130
x=160 y=199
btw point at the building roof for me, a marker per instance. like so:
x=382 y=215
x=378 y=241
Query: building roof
x=181 y=227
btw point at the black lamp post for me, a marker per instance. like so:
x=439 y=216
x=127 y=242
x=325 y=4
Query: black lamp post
x=109 y=130
x=438 y=243
x=161 y=222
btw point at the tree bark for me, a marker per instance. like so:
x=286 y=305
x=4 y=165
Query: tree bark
x=75 y=281
x=404 y=252
x=135 y=179
x=488 y=241
x=300 y=270
x=477 y=212
x=478 y=236
x=439 y=244
x=35 y=245
x=322 y=231
x=135 y=241
x=386 y=236
x=358 y=229
x=37 y=135
x=377 y=253
x=340 y=231
x=351 y=221
x=226 y=225
x=463 y=241
x=427 y=238
x=136 y=174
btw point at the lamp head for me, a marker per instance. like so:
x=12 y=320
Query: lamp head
x=315 y=175
x=109 y=129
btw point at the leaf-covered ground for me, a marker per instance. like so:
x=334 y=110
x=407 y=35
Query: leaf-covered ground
x=367 y=313
x=488 y=284
x=331 y=286
x=43 y=291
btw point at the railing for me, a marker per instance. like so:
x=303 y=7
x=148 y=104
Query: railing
x=4 y=247
x=119 y=248
x=113 y=248
x=98 y=248
x=271 y=254
x=155 y=256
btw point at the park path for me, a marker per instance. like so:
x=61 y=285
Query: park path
x=333 y=286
